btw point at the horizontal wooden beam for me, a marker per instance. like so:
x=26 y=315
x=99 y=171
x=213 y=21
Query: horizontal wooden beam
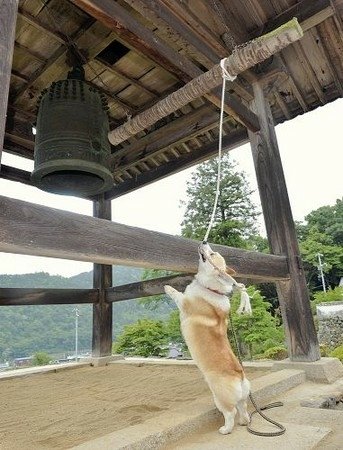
x=230 y=141
x=146 y=288
x=10 y=146
x=308 y=12
x=117 y=18
x=22 y=296
x=184 y=127
x=155 y=286
x=14 y=174
x=243 y=58
x=30 y=229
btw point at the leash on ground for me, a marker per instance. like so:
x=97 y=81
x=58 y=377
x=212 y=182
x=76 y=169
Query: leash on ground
x=239 y=286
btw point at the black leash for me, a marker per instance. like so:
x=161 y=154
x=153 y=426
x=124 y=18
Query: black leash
x=258 y=409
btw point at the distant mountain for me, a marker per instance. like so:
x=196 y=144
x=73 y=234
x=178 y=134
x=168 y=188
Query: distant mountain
x=51 y=328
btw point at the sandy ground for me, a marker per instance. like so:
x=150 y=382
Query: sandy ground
x=59 y=410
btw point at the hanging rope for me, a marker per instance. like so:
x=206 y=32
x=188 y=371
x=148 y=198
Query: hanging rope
x=226 y=76
x=245 y=299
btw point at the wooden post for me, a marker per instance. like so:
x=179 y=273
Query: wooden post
x=293 y=294
x=102 y=279
x=8 y=17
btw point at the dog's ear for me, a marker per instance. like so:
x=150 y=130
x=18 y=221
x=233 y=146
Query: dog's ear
x=230 y=271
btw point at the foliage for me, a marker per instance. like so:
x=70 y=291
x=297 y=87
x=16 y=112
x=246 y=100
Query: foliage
x=173 y=327
x=324 y=350
x=25 y=330
x=256 y=332
x=154 y=301
x=143 y=338
x=235 y=217
x=279 y=352
x=337 y=353
x=41 y=359
x=331 y=295
x=323 y=233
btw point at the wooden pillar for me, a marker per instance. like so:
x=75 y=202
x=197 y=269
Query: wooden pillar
x=8 y=17
x=293 y=294
x=102 y=279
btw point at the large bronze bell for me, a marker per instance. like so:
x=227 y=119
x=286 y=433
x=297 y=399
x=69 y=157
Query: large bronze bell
x=71 y=146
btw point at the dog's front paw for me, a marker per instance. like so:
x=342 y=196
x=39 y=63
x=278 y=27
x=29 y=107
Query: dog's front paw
x=169 y=290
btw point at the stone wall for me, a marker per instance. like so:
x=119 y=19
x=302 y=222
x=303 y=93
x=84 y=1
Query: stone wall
x=330 y=323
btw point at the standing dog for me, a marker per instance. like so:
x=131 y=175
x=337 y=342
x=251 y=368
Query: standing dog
x=203 y=314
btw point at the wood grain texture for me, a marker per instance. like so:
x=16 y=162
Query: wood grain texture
x=147 y=288
x=14 y=174
x=231 y=141
x=22 y=296
x=8 y=17
x=293 y=294
x=102 y=279
x=116 y=17
x=31 y=229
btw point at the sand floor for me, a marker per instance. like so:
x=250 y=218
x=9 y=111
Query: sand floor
x=59 y=410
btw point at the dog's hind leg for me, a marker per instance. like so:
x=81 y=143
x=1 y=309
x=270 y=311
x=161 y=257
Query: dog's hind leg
x=229 y=416
x=243 y=415
x=174 y=294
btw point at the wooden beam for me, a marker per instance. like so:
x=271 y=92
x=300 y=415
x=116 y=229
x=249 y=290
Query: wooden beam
x=155 y=286
x=30 y=229
x=117 y=18
x=8 y=17
x=15 y=148
x=241 y=59
x=308 y=12
x=14 y=174
x=23 y=296
x=147 y=288
x=293 y=294
x=230 y=141
x=185 y=127
x=102 y=279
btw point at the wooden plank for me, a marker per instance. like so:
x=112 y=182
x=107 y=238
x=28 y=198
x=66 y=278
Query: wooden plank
x=23 y=296
x=155 y=286
x=15 y=148
x=14 y=174
x=308 y=12
x=230 y=141
x=185 y=127
x=116 y=17
x=102 y=279
x=8 y=17
x=293 y=294
x=30 y=229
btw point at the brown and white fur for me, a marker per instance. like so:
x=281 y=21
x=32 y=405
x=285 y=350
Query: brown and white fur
x=204 y=308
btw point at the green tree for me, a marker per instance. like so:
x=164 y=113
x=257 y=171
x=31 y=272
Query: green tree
x=323 y=233
x=257 y=332
x=143 y=338
x=235 y=217
x=41 y=359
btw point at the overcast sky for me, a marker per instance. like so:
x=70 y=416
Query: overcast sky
x=311 y=151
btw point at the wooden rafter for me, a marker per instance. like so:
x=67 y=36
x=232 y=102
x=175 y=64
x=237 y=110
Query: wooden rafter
x=113 y=15
x=14 y=174
x=243 y=58
x=231 y=141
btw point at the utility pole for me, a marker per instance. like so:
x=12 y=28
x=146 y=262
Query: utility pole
x=320 y=268
x=76 y=310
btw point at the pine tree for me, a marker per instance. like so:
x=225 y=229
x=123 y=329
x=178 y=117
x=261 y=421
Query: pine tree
x=235 y=216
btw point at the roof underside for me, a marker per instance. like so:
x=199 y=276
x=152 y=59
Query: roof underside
x=149 y=49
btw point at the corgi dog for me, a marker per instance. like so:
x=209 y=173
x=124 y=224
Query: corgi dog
x=204 y=307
